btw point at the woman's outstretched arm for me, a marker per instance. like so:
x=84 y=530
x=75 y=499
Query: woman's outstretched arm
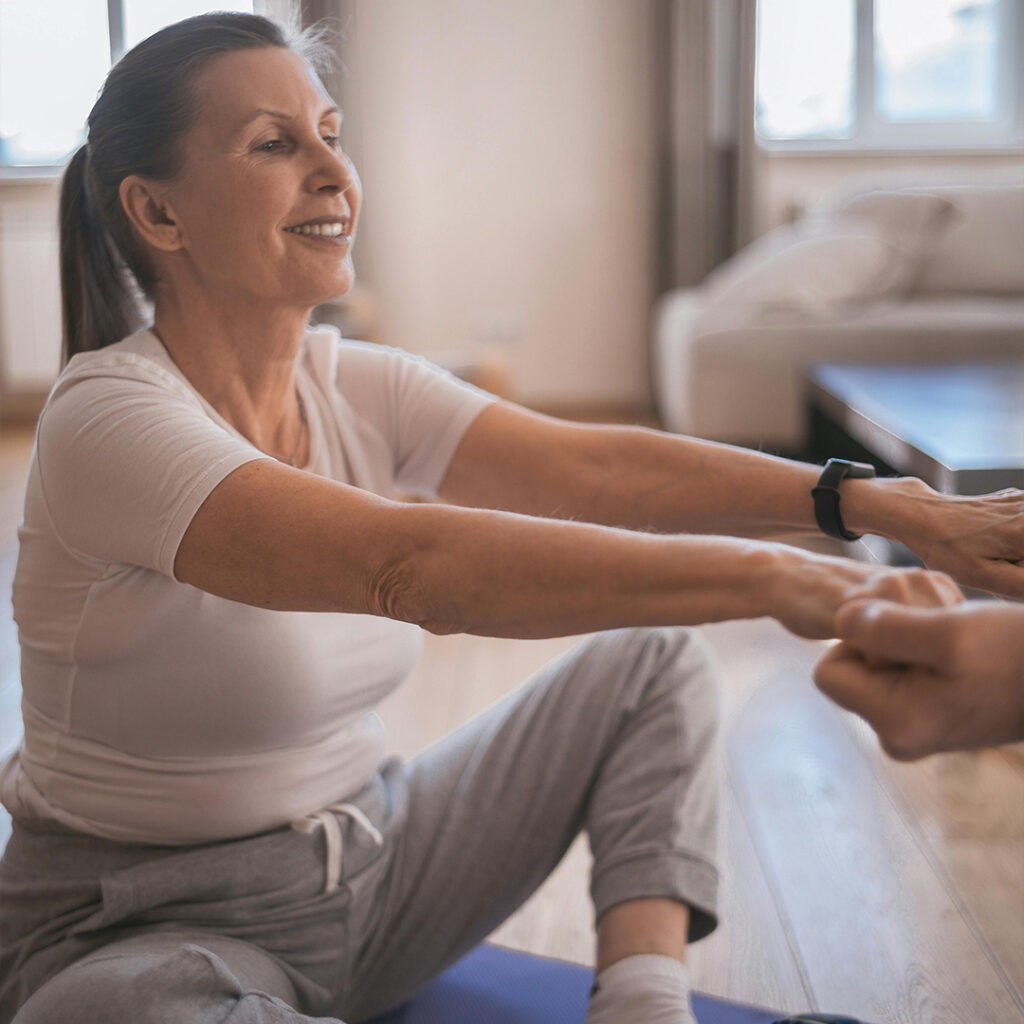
x=511 y=458
x=279 y=538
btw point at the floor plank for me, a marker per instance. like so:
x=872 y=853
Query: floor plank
x=877 y=932
x=967 y=810
x=989 y=877
x=750 y=957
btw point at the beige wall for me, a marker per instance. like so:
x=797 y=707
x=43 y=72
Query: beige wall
x=506 y=153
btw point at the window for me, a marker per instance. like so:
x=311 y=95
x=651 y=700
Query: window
x=53 y=59
x=889 y=74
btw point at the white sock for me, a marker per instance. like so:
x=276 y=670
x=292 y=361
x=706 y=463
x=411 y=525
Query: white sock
x=643 y=989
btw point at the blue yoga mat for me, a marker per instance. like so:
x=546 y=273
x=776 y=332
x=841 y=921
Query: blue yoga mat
x=493 y=985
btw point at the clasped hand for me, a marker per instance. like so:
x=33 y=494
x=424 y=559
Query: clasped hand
x=928 y=672
x=940 y=678
x=930 y=679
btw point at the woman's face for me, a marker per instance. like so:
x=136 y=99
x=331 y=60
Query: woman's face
x=266 y=202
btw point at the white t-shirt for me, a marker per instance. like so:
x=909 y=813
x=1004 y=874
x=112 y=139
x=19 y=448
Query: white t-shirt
x=156 y=712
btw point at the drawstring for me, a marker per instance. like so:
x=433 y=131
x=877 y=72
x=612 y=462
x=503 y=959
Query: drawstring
x=332 y=833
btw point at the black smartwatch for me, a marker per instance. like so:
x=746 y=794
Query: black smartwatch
x=826 y=495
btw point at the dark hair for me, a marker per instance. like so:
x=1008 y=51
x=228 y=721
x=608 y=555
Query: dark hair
x=147 y=104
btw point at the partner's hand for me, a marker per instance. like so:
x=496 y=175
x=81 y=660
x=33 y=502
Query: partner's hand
x=978 y=540
x=807 y=590
x=930 y=679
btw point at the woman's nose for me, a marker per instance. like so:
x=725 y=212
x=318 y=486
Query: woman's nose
x=336 y=174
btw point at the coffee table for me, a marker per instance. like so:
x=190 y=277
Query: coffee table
x=957 y=426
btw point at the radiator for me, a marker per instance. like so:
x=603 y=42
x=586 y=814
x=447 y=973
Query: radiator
x=30 y=327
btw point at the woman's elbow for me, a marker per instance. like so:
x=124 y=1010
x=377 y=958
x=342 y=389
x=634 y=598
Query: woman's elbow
x=405 y=589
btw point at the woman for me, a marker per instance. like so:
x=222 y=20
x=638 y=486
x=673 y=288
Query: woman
x=214 y=590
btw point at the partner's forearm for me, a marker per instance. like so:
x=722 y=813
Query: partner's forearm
x=501 y=574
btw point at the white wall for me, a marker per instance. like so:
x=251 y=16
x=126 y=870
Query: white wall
x=507 y=158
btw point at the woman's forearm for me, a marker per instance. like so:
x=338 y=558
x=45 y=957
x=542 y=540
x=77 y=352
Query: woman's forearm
x=281 y=539
x=658 y=481
x=646 y=479
x=502 y=574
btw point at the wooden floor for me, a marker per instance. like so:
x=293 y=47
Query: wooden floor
x=852 y=884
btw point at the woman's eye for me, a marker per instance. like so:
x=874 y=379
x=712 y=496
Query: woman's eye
x=275 y=145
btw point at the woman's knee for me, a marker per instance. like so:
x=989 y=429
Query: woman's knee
x=663 y=663
x=182 y=982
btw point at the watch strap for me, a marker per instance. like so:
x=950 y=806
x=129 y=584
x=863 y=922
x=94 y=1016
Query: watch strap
x=826 y=495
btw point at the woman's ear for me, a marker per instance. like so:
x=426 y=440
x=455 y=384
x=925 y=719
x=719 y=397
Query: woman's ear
x=150 y=214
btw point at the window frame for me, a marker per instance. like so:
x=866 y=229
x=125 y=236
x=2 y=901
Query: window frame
x=29 y=174
x=873 y=135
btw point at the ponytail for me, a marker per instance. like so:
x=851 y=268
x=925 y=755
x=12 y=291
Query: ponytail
x=98 y=296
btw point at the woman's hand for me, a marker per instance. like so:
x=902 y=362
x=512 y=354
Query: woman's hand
x=806 y=591
x=929 y=680
x=977 y=540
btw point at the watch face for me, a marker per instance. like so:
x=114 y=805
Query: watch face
x=844 y=468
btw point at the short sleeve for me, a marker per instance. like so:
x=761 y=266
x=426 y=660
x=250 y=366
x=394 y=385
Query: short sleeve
x=421 y=410
x=125 y=461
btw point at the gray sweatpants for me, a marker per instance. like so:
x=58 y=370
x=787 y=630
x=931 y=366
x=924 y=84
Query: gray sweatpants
x=616 y=737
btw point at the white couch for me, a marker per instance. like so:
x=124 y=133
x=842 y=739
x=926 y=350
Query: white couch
x=905 y=275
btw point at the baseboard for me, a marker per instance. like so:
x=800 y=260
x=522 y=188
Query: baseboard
x=21 y=406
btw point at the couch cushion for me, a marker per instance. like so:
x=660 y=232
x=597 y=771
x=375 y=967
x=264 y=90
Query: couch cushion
x=858 y=249
x=913 y=219
x=983 y=250
x=910 y=216
x=814 y=266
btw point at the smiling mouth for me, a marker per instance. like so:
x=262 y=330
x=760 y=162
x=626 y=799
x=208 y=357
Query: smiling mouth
x=333 y=231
